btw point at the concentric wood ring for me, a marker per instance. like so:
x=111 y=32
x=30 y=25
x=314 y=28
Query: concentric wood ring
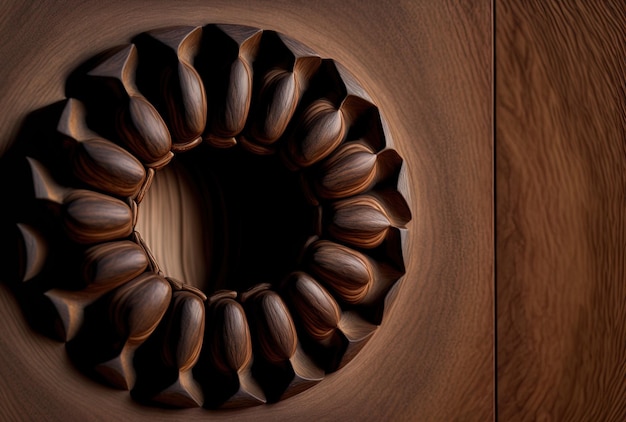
x=129 y=112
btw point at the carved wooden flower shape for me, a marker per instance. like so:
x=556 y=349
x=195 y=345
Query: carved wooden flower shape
x=129 y=111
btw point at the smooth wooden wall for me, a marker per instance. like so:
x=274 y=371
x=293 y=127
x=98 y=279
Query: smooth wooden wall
x=560 y=189
x=428 y=65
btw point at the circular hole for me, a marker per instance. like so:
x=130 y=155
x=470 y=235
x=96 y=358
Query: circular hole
x=226 y=219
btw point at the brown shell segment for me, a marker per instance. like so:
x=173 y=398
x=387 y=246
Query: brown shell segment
x=231 y=346
x=137 y=307
x=184 y=330
x=360 y=221
x=350 y=170
x=139 y=125
x=237 y=99
x=277 y=101
x=317 y=309
x=91 y=217
x=141 y=128
x=275 y=331
x=107 y=167
x=348 y=273
x=284 y=69
x=96 y=161
x=188 y=126
x=320 y=130
x=225 y=65
x=113 y=262
x=181 y=99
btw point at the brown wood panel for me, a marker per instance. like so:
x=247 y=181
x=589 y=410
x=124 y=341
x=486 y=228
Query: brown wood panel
x=428 y=67
x=560 y=183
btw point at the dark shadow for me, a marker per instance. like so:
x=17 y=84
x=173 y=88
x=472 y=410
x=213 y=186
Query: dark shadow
x=262 y=217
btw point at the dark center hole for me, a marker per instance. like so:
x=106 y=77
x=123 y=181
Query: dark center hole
x=226 y=219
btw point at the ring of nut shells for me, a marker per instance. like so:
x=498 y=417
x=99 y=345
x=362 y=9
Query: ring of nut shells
x=129 y=110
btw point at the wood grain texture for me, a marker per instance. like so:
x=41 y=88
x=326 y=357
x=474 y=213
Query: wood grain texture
x=561 y=166
x=428 y=67
x=189 y=211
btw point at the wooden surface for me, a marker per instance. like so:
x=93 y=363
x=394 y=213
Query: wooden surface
x=428 y=67
x=560 y=178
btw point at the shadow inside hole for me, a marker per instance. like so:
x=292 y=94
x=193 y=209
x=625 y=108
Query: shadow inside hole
x=257 y=214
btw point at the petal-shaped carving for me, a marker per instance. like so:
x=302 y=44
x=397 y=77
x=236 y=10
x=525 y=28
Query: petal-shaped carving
x=237 y=100
x=113 y=262
x=348 y=273
x=91 y=217
x=316 y=308
x=350 y=170
x=137 y=307
x=225 y=64
x=231 y=344
x=184 y=331
x=88 y=217
x=359 y=221
x=320 y=130
x=141 y=128
x=191 y=124
x=171 y=83
x=108 y=167
x=135 y=310
x=275 y=331
x=96 y=161
x=283 y=72
x=277 y=102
